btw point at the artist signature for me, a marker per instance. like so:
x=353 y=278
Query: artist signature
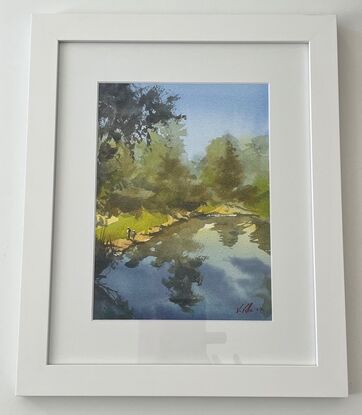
x=247 y=308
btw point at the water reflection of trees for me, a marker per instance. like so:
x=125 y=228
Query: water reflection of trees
x=229 y=231
x=108 y=304
x=185 y=273
x=265 y=294
x=230 y=228
x=177 y=248
x=261 y=235
x=259 y=284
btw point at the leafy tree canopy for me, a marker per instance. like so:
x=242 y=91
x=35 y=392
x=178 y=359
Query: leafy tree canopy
x=221 y=168
x=128 y=113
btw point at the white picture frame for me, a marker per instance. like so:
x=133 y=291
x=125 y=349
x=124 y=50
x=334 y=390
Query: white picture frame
x=328 y=376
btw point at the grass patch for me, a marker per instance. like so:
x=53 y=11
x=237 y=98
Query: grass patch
x=141 y=221
x=206 y=209
x=221 y=209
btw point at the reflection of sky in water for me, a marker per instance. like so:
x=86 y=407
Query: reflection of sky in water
x=233 y=274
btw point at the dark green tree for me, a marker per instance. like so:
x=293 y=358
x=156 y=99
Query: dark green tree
x=221 y=168
x=128 y=113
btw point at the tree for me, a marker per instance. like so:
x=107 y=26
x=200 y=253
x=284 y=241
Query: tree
x=163 y=168
x=221 y=168
x=114 y=175
x=255 y=158
x=128 y=113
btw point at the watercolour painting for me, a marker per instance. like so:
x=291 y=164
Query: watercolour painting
x=182 y=212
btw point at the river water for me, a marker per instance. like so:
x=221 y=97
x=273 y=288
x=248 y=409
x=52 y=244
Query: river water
x=206 y=268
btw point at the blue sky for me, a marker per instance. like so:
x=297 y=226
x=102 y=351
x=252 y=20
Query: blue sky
x=215 y=109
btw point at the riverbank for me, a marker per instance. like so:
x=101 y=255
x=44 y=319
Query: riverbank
x=146 y=224
x=122 y=244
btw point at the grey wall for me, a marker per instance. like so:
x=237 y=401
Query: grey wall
x=14 y=58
